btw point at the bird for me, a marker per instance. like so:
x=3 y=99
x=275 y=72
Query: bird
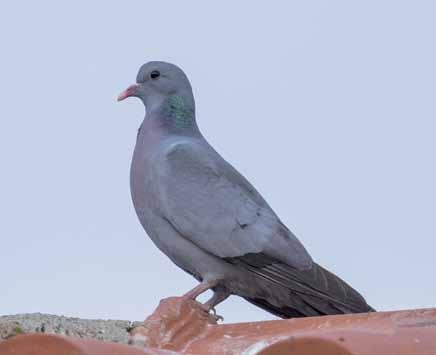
x=210 y=220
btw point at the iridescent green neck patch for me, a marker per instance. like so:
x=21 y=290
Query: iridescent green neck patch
x=178 y=111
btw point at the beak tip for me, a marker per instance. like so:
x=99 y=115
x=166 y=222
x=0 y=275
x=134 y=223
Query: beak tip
x=124 y=95
x=130 y=91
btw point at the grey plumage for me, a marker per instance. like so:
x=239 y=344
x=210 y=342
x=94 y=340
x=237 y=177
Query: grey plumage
x=210 y=221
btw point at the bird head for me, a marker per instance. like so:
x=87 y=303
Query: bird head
x=156 y=82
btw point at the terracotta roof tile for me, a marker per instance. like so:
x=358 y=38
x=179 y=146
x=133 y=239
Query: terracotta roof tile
x=177 y=327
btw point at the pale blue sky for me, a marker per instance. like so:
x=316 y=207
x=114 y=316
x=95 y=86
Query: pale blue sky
x=327 y=107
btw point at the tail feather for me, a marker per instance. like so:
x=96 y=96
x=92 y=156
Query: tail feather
x=315 y=291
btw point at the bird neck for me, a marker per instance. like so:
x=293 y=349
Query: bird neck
x=175 y=113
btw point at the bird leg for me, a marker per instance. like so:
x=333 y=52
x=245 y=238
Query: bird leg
x=219 y=295
x=198 y=290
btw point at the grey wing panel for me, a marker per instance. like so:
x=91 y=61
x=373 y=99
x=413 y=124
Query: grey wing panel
x=217 y=213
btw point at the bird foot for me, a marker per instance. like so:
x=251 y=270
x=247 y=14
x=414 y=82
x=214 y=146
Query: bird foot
x=209 y=312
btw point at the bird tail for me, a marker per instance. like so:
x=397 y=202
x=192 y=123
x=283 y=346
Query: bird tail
x=312 y=292
x=287 y=312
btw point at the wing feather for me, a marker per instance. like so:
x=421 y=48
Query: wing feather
x=216 y=208
x=318 y=288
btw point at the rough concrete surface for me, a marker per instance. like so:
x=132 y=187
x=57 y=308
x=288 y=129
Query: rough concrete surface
x=106 y=330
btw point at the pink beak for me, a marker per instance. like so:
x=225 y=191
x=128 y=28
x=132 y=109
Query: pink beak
x=130 y=91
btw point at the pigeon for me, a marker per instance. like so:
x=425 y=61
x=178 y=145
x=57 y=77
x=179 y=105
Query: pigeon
x=208 y=218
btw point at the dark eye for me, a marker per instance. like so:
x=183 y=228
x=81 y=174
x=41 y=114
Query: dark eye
x=154 y=74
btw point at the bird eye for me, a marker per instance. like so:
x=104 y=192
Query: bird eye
x=154 y=74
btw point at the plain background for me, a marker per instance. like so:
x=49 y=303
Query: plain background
x=327 y=107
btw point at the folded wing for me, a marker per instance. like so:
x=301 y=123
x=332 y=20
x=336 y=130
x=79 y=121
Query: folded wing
x=212 y=205
x=208 y=202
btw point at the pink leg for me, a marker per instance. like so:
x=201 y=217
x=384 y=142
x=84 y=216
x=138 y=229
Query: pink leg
x=198 y=290
x=218 y=296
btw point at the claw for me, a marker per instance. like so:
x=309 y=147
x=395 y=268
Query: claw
x=210 y=311
x=219 y=318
